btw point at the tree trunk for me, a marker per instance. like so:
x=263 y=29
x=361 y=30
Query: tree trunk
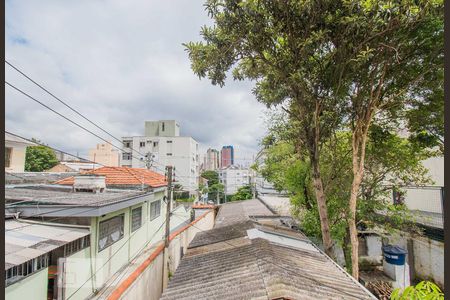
x=322 y=206
x=359 y=140
x=347 y=251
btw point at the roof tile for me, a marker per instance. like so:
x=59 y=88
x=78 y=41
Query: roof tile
x=124 y=176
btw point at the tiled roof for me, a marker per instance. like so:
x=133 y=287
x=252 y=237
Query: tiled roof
x=124 y=176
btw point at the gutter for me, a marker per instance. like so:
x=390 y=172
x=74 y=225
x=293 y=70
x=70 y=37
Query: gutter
x=53 y=224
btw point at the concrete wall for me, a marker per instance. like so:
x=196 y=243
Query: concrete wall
x=155 y=128
x=104 y=154
x=149 y=283
x=77 y=271
x=427 y=261
x=17 y=163
x=32 y=287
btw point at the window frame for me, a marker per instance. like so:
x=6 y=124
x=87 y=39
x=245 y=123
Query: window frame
x=158 y=203
x=121 y=233
x=132 y=225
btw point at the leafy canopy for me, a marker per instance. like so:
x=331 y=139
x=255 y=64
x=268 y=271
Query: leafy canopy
x=39 y=159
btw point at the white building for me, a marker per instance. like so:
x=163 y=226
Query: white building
x=233 y=177
x=211 y=160
x=15 y=150
x=262 y=185
x=167 y=148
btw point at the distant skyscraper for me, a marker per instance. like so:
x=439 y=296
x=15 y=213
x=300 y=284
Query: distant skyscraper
x=212 y=160
x=226 y=156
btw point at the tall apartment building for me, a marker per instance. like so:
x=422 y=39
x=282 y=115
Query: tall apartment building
x=226 y=156
x=212 y=160
x=164 y=146
x=104 y=154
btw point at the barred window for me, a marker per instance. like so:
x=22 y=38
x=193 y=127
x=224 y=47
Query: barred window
x=18 y=272
x=136 y=218
x=155 y=209
x=77 y=245
x=110 y=231
x=141 y=144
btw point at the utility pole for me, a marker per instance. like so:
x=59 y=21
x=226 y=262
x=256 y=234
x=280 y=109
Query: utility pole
x=169 y=170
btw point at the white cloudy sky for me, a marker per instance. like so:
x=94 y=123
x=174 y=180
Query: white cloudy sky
x=120 y=63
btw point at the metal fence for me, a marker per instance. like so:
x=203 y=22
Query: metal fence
x=425 y=202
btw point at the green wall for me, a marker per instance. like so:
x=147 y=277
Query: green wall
x=32 y=287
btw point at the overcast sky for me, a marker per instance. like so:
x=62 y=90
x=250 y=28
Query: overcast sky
x=120 y=63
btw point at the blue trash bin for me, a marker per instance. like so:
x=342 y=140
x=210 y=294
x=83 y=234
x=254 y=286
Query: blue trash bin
x=394 y=255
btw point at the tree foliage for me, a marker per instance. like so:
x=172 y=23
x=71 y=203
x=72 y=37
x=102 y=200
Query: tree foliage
x=424 y=290
x=243 y=193
x=39 y=158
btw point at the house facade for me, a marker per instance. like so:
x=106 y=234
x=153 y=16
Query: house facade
x=115 y=224
x=15 y=150
x=234 y=177
x=105 y=155
x=164 y=149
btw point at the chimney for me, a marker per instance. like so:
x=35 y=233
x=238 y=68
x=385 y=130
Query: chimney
x=89 y=183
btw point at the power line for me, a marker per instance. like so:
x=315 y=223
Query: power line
x=65 y=104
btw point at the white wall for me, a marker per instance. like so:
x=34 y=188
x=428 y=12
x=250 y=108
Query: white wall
x=185 y=157
x=17 y=163
x=149 y=283
x=233 y=179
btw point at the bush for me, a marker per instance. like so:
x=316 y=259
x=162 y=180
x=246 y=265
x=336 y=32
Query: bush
x=243 y=193
x=423 y=290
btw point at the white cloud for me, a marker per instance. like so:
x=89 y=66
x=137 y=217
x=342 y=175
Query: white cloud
x=120 y=63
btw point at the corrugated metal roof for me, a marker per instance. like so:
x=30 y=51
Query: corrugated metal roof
x=25 y=241
x=59 y=195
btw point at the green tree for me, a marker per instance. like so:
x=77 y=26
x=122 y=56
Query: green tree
x=216 y=191
x=287 y=48
x=243 y=193
x=393 y=48
x=213 y=180
x=392 y=162
x=39 y=159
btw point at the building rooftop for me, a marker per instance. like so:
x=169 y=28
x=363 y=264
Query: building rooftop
x=234 y=212
x=25 y=241
x=257 y=257
x=57 y=195
x=124 y=176
x=16 y=139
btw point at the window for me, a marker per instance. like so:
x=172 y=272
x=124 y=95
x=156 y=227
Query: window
x=20 y=271
x=8 y=152
x=169 y=142
x=126 y=156
x=141 y=144
x=169 y=154
x=136 y=218
x=163 y=126
x=155 y=209
x=77 y=245
x=127 y=144
x=155 y=144
x=110 y=231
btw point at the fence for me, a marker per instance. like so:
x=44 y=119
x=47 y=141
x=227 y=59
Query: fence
x=425 y=202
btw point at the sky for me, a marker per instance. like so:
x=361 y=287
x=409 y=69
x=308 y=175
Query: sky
x=120 y=63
